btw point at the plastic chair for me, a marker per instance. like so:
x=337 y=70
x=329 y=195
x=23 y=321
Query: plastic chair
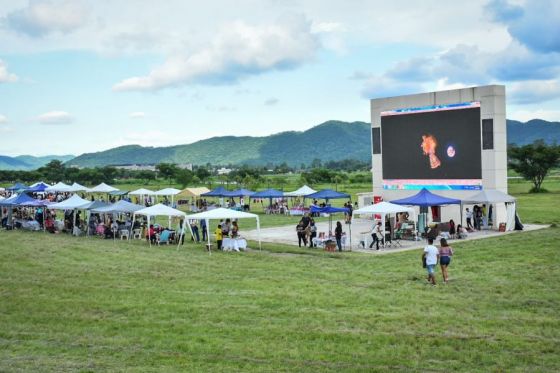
x=164 y=237
x=123 y=233
x=137 y=233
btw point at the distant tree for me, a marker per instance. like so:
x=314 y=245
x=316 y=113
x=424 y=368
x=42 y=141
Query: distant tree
x=167 y=170
x=52 y=171
x=109 y=174
x=316 y=163
x=281 y=181
x=146 y=175
x=184 y=177
x=202 y=173
x=534 y=161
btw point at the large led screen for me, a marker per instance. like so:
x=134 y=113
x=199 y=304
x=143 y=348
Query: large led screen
x=437 y=147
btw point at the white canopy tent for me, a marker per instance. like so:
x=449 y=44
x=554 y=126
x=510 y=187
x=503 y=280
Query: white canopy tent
x=168 y=192
x=223 y=213
x=79 y=188
x=492 y=197
x=161 y=210
x=103 y=188
x=301 y=192
x=59 y=187
x=73 y=203
x=142 y=192
x=383 y=209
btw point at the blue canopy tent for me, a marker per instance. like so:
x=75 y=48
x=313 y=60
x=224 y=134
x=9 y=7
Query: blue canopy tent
x=39 y=187
x=22 y=200
x=268 y=193
x=332 y=210
x=425 y=199
x=239 y=193
x=327 y=194
x=17 y=186
x=217 y=192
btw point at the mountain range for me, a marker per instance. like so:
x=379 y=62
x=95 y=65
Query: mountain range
x=29 y=162
x=332 y=140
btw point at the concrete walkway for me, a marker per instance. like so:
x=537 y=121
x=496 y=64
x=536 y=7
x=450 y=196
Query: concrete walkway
x=360 y=230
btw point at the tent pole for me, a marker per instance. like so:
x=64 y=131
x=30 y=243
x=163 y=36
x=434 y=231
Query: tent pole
x=259 y=232
x=149 y=233
x=208 y=235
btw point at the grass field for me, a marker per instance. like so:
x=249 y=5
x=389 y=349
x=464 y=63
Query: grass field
x=89 y=305
x=71 y=304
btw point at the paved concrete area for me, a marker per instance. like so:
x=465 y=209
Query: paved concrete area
x=360 y=231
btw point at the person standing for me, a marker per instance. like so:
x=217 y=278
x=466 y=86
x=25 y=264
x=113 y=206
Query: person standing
x=300 y=229
x=469 y=219
x=445 y=254
x=431 y=255
x=338 y=235
x=219 y=235
x=377 y=236
x=204 y=229
x=313 y=229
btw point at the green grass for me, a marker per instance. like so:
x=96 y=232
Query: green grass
x=75 y=304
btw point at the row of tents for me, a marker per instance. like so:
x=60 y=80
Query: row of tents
x=60 y=187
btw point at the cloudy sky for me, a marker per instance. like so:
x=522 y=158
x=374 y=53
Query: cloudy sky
x=80 y=76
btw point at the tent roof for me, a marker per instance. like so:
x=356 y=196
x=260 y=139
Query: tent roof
x=59 y=187
x=268 y=193
x=8 y=201
x=103 y=188
x=119 y=192
x=328 y=194
x=20 y=200
x=426 y=198
x=160 y=210
x=120 y=206
x=194 y=192
x=96 y=204
x=239 y=193
x=383 y=208
x=79 y=188
x=328 y=209
x=18 y=186
x=38 y=187
x=489 y=196
x=222 y=213
x=217 y=192
x=39 y=183
x=303 y=191
x=74 y=202
x=167 y=192
x=142 y=192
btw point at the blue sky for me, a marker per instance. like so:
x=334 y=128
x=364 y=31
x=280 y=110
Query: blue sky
x=80 y=76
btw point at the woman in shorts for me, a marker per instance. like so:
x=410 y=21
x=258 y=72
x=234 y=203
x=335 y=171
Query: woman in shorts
x=445 y=254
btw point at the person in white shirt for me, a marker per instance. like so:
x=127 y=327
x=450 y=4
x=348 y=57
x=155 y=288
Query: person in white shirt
x=469 y=219
x=431 y=256
x=377 y=235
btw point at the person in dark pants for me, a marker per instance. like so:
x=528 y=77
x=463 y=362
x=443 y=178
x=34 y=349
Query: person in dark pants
x=204 y=229
x=313 y=229
x=300 y=229
x=469 y=219
x=219 y=235
x=338 y=235
x=377 y=236
x=194 y=228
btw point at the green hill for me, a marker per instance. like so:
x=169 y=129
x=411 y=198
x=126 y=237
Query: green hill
x=29 y=162
x=332 y=140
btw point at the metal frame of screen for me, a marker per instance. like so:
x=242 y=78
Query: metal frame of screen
x=433 y=184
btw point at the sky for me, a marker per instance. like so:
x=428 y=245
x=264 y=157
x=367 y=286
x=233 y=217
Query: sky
x=82 y=76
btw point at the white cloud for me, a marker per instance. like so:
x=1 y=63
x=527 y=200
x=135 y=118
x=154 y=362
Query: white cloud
x=55 y=117
x=3 y=119
x=238 y=51
x=137 y=115
x=533 y=91
x=271 y=101
x=42 y=17
x=527 y=115
x=5 y=75
x=326 y=27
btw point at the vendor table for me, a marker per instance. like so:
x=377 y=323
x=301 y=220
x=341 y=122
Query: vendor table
x=234 y=244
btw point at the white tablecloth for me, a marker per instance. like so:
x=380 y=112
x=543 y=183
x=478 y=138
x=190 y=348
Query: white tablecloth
x=234 y=244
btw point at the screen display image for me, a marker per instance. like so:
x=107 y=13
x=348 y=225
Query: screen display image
x=437 y=147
